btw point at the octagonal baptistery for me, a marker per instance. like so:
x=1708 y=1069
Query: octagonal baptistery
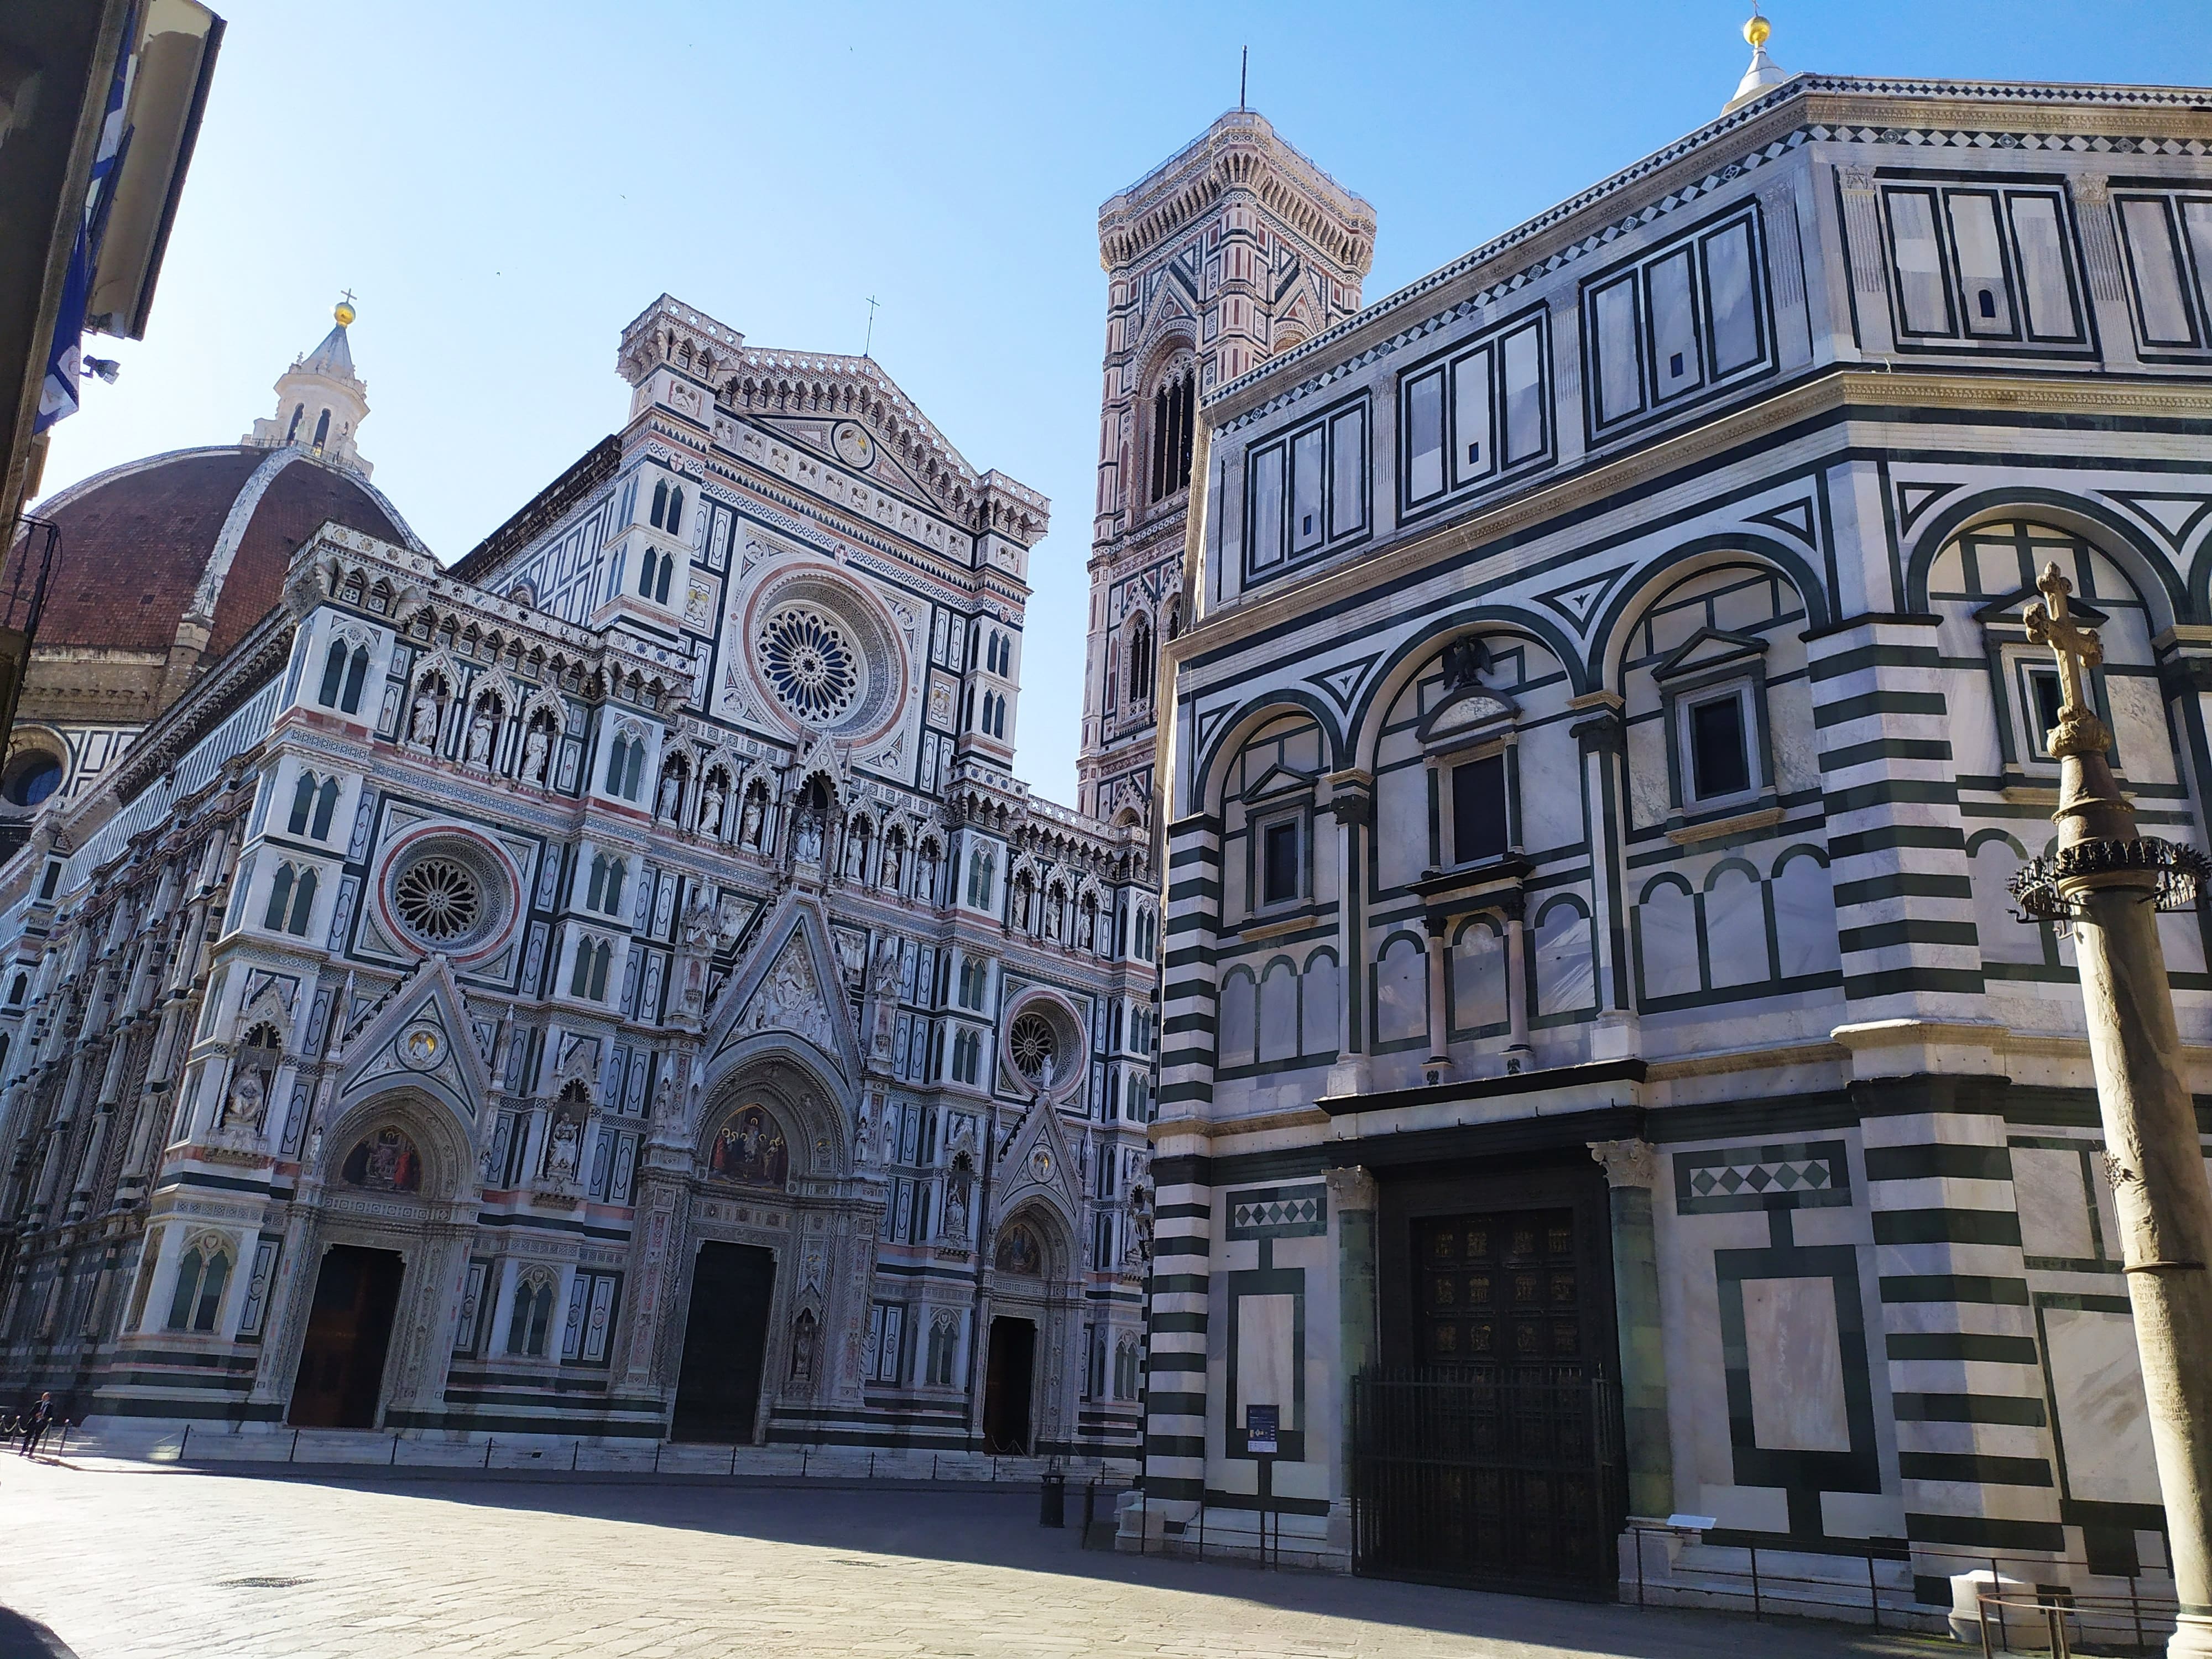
x=158 y=568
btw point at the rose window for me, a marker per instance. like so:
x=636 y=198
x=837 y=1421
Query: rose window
x=1035 y=1046
x=438 y=899
x=447 y=893
x=810 y=664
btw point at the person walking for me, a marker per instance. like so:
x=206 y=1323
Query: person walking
x=34 y=1426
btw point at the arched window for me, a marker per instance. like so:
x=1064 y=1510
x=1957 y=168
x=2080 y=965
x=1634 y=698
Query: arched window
x=645 y=573
x=600 y=971
x=617 y=764
x=618 y=871
x=675 y=510
x=968 y=713
x=333 y=674
x=322 y=429
x=303 y=904
x=942 y=1341
x=303 y=805
x=201 y=1276
x=291 y=432
x=659 y=503
x=326 y=803
x=999 y=719
x=580 y=977
x=660 y=587
x=279 y=898
x=1139 y=659
x=356 y=673
x=636 y=765
x=532 y=1316
x=1172 y=407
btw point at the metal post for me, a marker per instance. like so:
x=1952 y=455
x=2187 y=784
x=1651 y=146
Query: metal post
x=1981 y=1613
x=933 y=1467
x=292 y=1455
x=733 y=1461
x=656 y=1457
x=1873 y=1591
x=2135 y=1606
x=1754 y=1582
x=184 y=1442
x=575 y=1450
x=488 y=1440
x=871 y=1466
x=1996 y=1588
x=804 y=1452
x=394 y=1458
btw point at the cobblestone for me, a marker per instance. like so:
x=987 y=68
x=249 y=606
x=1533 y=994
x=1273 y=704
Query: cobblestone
x=129 y=1564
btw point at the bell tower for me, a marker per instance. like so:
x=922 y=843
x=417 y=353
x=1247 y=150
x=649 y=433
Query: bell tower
x=1229 y=254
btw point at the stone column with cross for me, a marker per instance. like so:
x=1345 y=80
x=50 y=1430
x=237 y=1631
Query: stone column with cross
x=2108 y=882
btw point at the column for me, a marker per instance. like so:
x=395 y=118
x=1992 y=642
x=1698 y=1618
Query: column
x=1517 y=1048
x=1631 y=1168
x=1352 y=804
x=1439 y=1060
x=1352 y=1201
x=1603 y=738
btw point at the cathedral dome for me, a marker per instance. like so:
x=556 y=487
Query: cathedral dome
x=198 y=535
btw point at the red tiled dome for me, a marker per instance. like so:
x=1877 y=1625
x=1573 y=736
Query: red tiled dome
x=140 y=542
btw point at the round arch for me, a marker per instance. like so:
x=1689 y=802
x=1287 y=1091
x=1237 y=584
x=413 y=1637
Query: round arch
x=791 y=1084
x=449 y=1162
x=1413 y=655
x=1206 y=784
x=2169 y=598
x=1609 y=633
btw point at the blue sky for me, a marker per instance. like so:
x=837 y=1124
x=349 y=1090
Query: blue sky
x=504 y=186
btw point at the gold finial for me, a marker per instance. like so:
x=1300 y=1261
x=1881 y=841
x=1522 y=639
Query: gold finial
x=1756 y=30
x=343 y=310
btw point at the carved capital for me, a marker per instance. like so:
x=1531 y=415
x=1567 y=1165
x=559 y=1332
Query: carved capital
x=1352 y=1187
x=1627 y=1163
x=2091 y=189
x=1857 y=180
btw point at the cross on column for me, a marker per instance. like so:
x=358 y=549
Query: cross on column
x=2075 y=647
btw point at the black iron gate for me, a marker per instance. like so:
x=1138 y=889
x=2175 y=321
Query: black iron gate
x=1504 y=1476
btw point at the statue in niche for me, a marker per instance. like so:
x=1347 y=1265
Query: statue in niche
x=1087 y=926
x=1052 y=909
x=805 y=1334
x=710 y=807
x=422 y=724
x=480 y=737
x=894 y=849
x=1140 y=1227
x=537 y=746
x=700 y=919
x=809 y=838
x=955 y=1208
x=749 y=825
x=564 y=1150
x=249 y=1097
x=672 y=793
x=883 y=969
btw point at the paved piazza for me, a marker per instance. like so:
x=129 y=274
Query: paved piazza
x=130 y=1565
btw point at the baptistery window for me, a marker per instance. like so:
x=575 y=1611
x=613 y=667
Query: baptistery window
x=447 y=894
x=810 y=662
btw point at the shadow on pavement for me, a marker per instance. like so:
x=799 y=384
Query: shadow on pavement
x=999 y=1529
x=27 y=1639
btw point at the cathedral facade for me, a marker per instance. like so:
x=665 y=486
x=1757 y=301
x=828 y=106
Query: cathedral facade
x=609 y=986
x=1605 y=1075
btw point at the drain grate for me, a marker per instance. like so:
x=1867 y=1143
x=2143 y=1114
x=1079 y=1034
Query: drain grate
x=259 y=1583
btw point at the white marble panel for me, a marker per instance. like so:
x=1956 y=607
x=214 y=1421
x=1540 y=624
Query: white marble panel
x=2103 y=1417
x=1796 y=1360
x=1746 y=1509
x=1265 y=1325
x=2054 y=1206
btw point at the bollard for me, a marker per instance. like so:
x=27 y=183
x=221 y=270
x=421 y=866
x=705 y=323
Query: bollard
x=1052 y=1500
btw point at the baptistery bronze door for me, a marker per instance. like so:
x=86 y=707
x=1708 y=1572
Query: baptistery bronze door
x=1501 y=1288
x=1486 y=1449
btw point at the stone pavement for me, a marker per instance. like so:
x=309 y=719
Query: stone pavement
x=132 y=1563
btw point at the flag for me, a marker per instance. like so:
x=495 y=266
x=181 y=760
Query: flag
x=58 y=394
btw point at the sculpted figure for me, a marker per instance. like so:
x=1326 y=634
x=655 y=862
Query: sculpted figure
x=536 y=743
x=422 y=726
x=564 y=1149
x=672 y=793
x=480 y=735
x=710 y=807
x=749 y=827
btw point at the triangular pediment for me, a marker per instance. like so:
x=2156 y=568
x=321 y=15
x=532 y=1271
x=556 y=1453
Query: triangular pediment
x=421 y=1039
x=1709 y=648
x=2009 y=610
x=790 y=988
x=1037 y=1157
x=1278 y=781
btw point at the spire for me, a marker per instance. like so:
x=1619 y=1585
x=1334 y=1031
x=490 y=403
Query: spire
x=320 y=401
x=1764 y=72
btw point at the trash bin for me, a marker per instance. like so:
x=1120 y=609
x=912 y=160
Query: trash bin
x=1052 y=1500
